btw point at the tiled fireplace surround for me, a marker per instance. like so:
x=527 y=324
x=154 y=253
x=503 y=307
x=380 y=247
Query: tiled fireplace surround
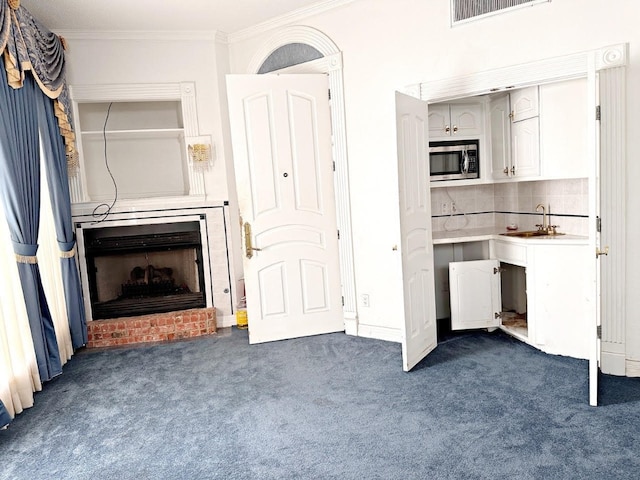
x=159 y=327
x=501 y=204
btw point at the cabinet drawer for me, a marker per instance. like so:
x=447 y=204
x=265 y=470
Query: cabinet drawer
x=511 y=253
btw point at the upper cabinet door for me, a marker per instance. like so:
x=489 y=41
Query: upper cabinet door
x=466 y=119
x=455 y=120
x=526 y=148
x=439 y=120
x=500 y=128
x=563 y=129
x=524 y=103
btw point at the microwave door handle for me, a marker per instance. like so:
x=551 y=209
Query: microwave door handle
x=465 y=162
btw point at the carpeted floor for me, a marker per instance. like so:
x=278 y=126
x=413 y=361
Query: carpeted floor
x=481 y=406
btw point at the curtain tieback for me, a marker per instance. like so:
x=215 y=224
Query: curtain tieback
x=25 y=253
x=32 y=259
x=68 y=253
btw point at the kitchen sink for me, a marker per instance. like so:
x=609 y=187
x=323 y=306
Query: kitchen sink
x=531 y=233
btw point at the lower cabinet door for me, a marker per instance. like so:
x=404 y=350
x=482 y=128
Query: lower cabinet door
x=476 y=299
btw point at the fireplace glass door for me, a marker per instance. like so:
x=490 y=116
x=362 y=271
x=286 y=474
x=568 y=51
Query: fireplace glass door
x=143 y=269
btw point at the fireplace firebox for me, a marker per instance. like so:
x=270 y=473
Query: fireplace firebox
x=142 y=269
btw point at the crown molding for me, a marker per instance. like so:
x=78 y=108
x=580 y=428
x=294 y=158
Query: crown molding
x=210 y=35
x=286 y=19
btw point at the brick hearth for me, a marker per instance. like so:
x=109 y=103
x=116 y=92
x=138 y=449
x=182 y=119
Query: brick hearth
x=158 y=327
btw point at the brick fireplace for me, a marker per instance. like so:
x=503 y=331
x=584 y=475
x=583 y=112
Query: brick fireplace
x=154 y=275
x=158 y=327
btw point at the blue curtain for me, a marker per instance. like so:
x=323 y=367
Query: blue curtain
x=5 y=418
x=58 y=181
x=20 y=186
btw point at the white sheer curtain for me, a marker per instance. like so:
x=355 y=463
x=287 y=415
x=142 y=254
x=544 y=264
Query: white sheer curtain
x=18 y=369
x=19 y=377
x=51 y=273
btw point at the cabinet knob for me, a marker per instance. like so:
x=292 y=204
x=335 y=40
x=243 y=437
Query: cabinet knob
x=513 y=170
x=506 y=170
x=447 y=129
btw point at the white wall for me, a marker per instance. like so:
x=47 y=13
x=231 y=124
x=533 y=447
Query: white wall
x=388 y=44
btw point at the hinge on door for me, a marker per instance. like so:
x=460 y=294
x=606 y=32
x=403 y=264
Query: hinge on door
x=343 y=300
x=497 y=270
x=598 y=224
x=599 y=332
x=338 y=234
x=497 y=315
x=329 y=94
x=334 y=166
x=597 y=112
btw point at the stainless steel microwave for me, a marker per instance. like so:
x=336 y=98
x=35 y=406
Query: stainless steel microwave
x=454 y=160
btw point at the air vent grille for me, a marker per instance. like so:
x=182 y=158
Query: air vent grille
x=464 y=10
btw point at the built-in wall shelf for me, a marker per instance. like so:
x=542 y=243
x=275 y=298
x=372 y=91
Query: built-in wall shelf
x=132 y=134
x=131 y=139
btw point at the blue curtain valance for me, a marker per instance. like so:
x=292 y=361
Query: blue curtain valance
x=26 y=44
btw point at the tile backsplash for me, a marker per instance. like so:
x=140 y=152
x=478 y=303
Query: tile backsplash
x=500 y=204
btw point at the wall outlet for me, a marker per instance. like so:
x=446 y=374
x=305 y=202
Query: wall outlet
x=364 y=299
x=445 y=208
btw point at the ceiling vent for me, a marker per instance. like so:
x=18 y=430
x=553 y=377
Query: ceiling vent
x=467 y=10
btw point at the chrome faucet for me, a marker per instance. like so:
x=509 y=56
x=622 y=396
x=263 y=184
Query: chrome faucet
x=545 y=222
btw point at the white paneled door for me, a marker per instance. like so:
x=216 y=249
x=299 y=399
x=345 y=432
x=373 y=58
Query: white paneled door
x=419 y=336
x=281 y=136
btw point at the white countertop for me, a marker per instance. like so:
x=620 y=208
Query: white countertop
x=493 y=233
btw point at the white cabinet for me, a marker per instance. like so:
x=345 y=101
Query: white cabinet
x=475 y=294
x=537 y=292
x=500 y=135
x=558 y=287
x=524 y=103
x=525 y=154
x=563 y=129
x=443 y=255
x=515 y=148
x=455 y=120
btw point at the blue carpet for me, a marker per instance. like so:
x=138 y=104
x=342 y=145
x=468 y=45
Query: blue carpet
x=481 y=406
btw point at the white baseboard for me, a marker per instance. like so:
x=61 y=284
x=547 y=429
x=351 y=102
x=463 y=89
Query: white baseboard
x=633 y=368
x=613 y=363
x=380 y=333
x=351 y=326
x=225 y=321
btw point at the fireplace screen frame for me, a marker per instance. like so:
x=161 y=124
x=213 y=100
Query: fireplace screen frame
x=87 y=260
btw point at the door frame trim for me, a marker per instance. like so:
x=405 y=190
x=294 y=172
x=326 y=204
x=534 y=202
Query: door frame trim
x=331 y=65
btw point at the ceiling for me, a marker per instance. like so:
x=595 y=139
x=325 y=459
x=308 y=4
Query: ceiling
x=228 y=16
